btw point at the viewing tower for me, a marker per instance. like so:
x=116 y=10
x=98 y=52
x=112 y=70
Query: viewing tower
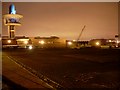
x=11 y=20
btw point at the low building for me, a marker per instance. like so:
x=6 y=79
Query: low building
x=48 y=42
x=76 y=44
x=103 y=43
x=18 y=41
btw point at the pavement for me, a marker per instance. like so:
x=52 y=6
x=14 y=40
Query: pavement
x=87 y=68
x=20 y=76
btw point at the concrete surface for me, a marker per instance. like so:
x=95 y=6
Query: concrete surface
x=20 y=76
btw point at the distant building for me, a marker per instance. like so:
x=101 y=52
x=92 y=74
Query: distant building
x=18 y=41
x=103 y=43
x=48 y=42
x=76 y=44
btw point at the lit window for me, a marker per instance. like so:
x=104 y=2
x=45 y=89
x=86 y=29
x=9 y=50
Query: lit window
x=25 y=42
x=9 y=41
x=41 y=42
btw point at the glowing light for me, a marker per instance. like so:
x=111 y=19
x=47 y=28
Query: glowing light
x=30 y=47
x=69 y=43
x=42 y=42
x=97 y=43
x=25 y=42
x=117 y=41
x=74 y=40
x=110 y=40
x=9 y=41
x=12 y=9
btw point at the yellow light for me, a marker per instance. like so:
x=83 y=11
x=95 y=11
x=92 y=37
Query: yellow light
x=30 y=47
x=74 y=40
x=25 y=42
x=41 y=42
x=9 y=41
x=110 y=40
x=97 y=43
x=117 y=41
x=69 y=43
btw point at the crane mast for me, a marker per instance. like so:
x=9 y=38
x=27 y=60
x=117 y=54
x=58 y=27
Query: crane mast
x=80 y=35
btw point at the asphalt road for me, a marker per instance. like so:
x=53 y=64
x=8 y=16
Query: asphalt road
x=83 y=68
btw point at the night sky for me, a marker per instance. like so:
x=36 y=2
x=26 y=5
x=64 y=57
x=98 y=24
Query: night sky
x=66 y=20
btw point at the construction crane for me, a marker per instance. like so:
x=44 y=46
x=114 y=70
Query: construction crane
x=79 y=36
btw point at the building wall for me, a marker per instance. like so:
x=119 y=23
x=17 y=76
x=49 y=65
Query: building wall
x=48 y=42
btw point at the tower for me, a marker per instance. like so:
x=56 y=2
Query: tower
x=11 y=20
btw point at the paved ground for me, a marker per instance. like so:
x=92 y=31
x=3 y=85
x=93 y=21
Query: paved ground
x=16 y=77
x=84 y=68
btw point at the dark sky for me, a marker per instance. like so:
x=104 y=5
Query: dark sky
x=66 y=20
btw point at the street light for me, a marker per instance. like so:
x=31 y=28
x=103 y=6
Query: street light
x=30 y=47
x=110 y=40
x=97 y=43
x=69 y=43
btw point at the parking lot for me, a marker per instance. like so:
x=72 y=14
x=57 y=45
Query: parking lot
x=72 y=68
